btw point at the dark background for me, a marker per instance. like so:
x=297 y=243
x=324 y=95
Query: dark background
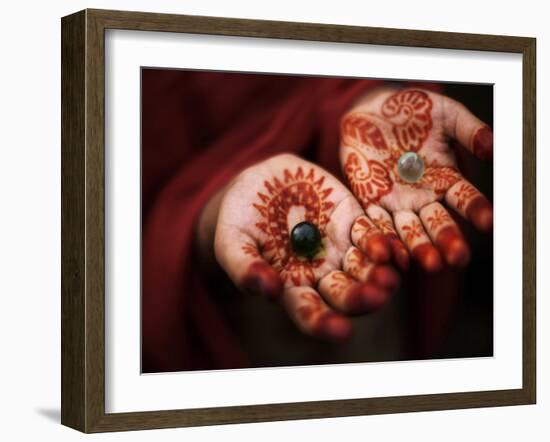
x=471 y=333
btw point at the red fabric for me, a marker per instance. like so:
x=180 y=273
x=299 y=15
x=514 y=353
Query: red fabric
x=199 y=130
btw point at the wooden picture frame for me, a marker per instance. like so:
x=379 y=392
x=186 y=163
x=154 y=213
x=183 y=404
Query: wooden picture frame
x=83 y=220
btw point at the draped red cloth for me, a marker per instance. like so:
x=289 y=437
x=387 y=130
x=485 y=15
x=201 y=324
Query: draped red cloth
x=199 y=129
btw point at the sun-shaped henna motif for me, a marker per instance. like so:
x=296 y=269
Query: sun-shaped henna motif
x=437 y=219
x=369 y=179
x=440 y=178
x=385 y=225
x=412 y=231
x=409 y=112
x=302 y=191
x=464 y=193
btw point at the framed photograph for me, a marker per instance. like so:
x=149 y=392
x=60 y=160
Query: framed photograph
x=268 y=220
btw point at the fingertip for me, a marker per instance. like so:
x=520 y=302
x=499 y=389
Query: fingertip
x=452 y=244
x=428 y=257
x=480 y=213
x=365 y=298
x=458 y=253
x=400 y=254
x=262 y=279
x=484 y=219
x=385 y=277
x=378 y=249
x=375 y=297
x=369 y=297
x=402 y=259
x=335 y=327
x=483 y=143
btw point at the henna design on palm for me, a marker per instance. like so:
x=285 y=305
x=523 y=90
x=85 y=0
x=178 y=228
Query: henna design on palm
x=409 y=113
x=389 y=123
x=346 y=276
x=298 y=190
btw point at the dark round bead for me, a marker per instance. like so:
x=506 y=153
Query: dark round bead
x=305 y=239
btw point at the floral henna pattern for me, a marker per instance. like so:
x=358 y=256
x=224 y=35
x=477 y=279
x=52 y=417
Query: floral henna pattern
x=409 y=112
x=436 y=177
x=375 y=136
x=412 y=232
x=406 y=118
x=440 y=178
x=464 y=194
x=369 y=181
x=385 y=225
x=438 y=219
x=305 y=192
x=364 y=227
x=357 y=266
x=358 y=130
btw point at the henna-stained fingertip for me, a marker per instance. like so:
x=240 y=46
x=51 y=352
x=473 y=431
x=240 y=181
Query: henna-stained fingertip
x=399 y=251
x=480 y=212
x=385 y=276
x=453 y=246
x=262 y=279
x=334 y=327
x=428 y=257
x=483 y=144
x=378 y=248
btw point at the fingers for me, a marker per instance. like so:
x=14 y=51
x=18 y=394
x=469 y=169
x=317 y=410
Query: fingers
x=417 y=241
x=239 y=256
x=345 y=294
x=470 y=131
x=471 y=204
x=357 y=265
x=370 y=239
x=445 y=233
x=313 y=316
x=383 y=221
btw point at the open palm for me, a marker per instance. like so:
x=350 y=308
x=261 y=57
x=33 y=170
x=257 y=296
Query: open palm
x=252 y=244
x=390 y=122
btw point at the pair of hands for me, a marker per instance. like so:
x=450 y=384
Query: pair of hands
x=380 y=220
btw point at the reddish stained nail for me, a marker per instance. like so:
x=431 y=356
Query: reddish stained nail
x=452 y=244
x=378 y=249
x=400 y=254
x=483 y=144
x=428 y=257
x=363 y=298
x=334 y=327
x=480 y=212
x=262 y=279
x=385 y=276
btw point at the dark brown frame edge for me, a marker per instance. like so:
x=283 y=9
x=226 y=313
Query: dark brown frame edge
x=83 y=240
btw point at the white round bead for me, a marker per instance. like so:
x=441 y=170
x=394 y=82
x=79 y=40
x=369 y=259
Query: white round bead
x=410 y=167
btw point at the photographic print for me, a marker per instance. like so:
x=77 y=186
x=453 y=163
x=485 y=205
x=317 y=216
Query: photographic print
x=293 y=220
x=267 y=220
